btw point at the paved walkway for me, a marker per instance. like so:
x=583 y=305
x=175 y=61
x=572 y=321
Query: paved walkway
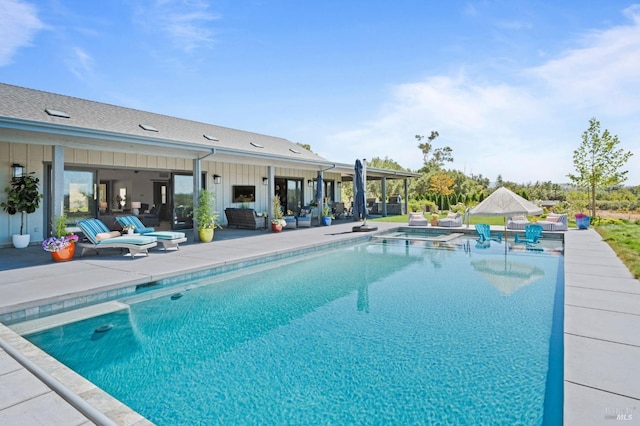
x=602 y=316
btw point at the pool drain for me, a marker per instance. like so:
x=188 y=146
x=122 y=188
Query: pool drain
x=176 y=296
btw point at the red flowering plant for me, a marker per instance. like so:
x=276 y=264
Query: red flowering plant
x=63 y=238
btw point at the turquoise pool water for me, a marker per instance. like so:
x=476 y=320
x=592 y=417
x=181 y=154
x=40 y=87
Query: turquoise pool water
x=395 y=332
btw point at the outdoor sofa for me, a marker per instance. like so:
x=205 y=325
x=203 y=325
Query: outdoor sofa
x=517 y=222
x=417 y=219
x=244 y=218
x=452 y=220
x=554 y=222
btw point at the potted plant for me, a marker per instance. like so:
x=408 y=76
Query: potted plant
x=205 y=216
x=278 y=222
x=434 y=219
x=582 y=221
x=326 y=215
x=22 y=197
x=62 y=246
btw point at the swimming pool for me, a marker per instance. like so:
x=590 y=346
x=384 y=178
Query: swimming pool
x=395 y=331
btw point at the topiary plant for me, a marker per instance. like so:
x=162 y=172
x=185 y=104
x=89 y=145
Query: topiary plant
x=22 y=197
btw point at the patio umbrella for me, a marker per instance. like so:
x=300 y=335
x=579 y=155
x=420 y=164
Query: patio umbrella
x=505 y=276
x=359 y=201
x=504 y=202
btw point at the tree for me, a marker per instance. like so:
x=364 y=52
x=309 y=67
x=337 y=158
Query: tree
x=441 y=184
x=598 y=162
x=433 y=159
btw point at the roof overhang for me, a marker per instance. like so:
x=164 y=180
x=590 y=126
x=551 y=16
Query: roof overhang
x=41 y=133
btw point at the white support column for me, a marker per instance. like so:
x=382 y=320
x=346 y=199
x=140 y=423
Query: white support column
x=56 y=208
x=197 y=185
x=271 y=188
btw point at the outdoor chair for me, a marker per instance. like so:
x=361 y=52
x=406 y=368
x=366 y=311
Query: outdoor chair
x=484 y=233
x=417 y=219
x=168 y=239
x=532 y=234
x=100 y=237
x=452 y=220
x=554 y=222
x=517 y=222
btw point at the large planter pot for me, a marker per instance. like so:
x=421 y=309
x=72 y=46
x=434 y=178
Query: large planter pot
x=276 y=227
x=326 y=221
x=21 y=241
x=583 y=222
x=206 y=235
x=65 y=254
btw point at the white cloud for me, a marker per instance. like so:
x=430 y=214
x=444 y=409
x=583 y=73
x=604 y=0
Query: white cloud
x=18 y=25
x=524 y=129
x=186 y=24
x=81 y=63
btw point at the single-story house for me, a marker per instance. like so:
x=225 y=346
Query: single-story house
x=98 y=160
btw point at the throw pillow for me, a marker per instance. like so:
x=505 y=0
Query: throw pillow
x=106 y=235
x=554 y=219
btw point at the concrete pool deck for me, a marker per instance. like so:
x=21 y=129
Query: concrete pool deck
x=601 y=341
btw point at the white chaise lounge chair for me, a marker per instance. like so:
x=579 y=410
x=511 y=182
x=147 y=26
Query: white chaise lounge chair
x=100 y=237
x=168 y=239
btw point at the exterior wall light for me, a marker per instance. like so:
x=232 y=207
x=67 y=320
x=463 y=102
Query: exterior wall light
x=217 y=179
x=17 y=171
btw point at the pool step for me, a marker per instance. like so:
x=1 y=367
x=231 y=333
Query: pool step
x=439 y=238
x=41 y=324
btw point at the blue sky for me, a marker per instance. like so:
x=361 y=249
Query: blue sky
x=510 y=85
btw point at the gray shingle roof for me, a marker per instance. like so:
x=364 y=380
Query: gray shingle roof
x=29 y=105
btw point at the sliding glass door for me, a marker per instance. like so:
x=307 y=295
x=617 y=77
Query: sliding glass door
x=182 y=201
x=79 y=195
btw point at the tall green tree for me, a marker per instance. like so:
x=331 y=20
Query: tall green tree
x=434 y=158
x=598 y=162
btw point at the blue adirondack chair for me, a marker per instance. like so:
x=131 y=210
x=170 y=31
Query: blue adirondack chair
x=484 y=233
x=532 y=234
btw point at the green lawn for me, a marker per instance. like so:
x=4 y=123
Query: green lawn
x=624 y=238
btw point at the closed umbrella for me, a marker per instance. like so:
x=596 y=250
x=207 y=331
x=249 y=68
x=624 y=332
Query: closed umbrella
x=359 y=202
x=359 y=206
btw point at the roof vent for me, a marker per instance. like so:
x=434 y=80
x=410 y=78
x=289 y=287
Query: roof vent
x=211 y=138
x=294 y=151
x=257 y=145
x=148 y=127
x=56 y=113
